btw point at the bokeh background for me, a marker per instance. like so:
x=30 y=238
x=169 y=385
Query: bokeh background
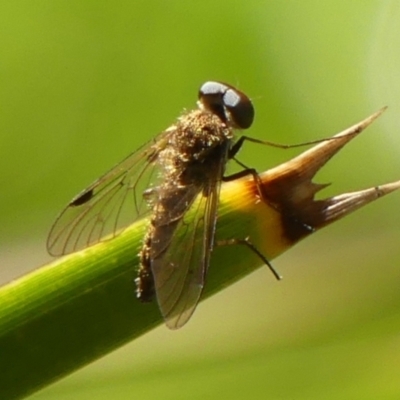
x=83 y=83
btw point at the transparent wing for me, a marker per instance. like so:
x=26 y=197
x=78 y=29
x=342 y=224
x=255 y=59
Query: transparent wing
x=180 y=260
x=107 y=205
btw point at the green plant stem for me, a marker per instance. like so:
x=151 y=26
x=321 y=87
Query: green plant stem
x=79 y=308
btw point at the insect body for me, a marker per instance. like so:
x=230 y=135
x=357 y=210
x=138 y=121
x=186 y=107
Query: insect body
x=190 y=159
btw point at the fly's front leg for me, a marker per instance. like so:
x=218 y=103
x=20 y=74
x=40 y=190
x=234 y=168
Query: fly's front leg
x=241 y=140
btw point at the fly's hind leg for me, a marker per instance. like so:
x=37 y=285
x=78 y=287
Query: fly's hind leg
x=246 y=242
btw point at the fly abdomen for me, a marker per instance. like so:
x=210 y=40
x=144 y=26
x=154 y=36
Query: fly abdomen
x=145 y=282
x=168 y=213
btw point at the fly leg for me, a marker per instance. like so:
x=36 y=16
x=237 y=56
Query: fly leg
x=235 y=148
x=252 y=171
x=246 y=170
x=246 y=242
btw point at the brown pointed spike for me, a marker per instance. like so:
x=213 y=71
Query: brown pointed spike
x=303 y=167
x=289 y=187
x=334 y=208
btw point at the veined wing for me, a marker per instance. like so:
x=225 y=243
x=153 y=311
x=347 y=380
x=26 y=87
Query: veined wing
x=110 y=203
x=181 y=258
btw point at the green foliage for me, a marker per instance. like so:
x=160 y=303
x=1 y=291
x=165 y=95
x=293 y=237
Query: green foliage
x=86 y=82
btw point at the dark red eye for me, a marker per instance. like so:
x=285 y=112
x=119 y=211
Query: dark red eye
x=228 y=103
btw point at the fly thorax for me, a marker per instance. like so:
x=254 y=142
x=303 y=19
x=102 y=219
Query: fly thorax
x=197 y=133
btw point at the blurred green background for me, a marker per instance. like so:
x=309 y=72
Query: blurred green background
x=83 y=83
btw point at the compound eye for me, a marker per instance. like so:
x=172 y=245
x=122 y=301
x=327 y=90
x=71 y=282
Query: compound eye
x=240 y=108
x=228 y=103
x=211 y=97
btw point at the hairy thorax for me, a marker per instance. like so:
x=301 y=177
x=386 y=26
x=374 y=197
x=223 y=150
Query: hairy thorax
x=198 y=138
